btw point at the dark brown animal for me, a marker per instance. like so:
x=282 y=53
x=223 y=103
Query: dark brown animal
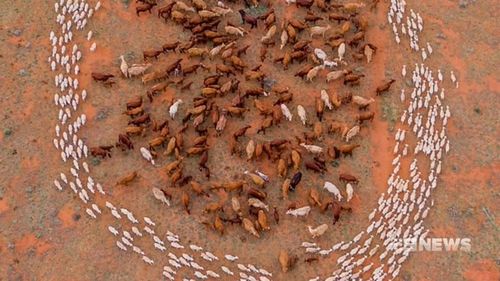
x=103 y=77
x=315 y=166
x=151 y=54
x=261 y=195
x=134 y=111
x=143 y=7
x=295 y=181
x=248 y=19
x=140 y=120
x=100 y=152
x=304 y=3
x=170 y=46
x=337 y=209
x=134 y=102
x=364 y=116
x=352 y=79
x=165 y=11
x=385 y=87
x=345 y=149
x=240 y=132
x=344 y=177
x=124 y=142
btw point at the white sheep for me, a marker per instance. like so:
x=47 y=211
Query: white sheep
x=230 y=257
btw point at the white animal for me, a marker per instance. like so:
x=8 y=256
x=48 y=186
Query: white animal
x=196 y=266
x=314 y=72
x=319 y=30
x=96 y=208
x=138 y=69
x=216 y=50
x=200 y=275
x=149 y=221
x=341 y=51
x=169 y=269
x=90 y=213
x=212 y=274
x=352 y=133
x=312 y=148
x=329 y=63
x=299 y=212
x=334 y=75
x=136 y=231
x=113 y=230
x=265 y=272
x=212 y=256
x=121 y=246
x=226 y=270
x=158 y=194
x=131 y=218
x=195 y=248
x=230 y=257
x=147 y=155
x=333 y=189
x=318 y=231
x=206 y=257
x=270 y=33
x=320 y=54
x=284 y=39
x=57 y=184
x=286 y=112
x=326 y=99
x=187 y=257
x=313 y=250
x=254 y=202
x=234 y=30
x=123 y=66
x=302 y=114
x=168 y=275
x=159 y=247
x=176 y=245
x=173 y=109
x=148 y=260
x=350 y=191
x=308 y=244
x=174 y=263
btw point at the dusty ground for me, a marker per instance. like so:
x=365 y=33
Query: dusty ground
x=45 y=235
